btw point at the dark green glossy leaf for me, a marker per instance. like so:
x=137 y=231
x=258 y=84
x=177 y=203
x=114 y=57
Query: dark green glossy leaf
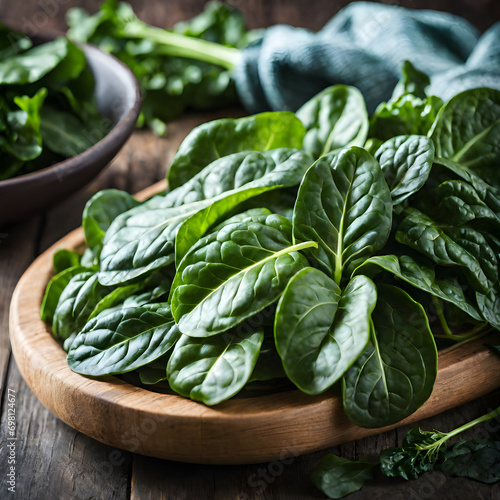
x=101 y=210
x=425 y=276
x=337 y=477
x=54 y=290
x=334 y=119
x=219 y=138
x=489 y=305
x=232 y=274
x=321 y=330
x=467 y=132
x=406 y=162
x=461 y=247
x=123 y=340
x=345 y=205
x=64 y=259
x=215 y=369
x=156 y=371
x=395 y=374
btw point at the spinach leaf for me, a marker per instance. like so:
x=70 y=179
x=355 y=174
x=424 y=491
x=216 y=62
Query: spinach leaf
x=213 y=140
x=232 y=274
x=54 y=289
x=448 y=245
x=477 y=458
x=64 y=259
x=12 y=43
x=123 y=340
x=412 y=81
x=321 y=330
x=101 y=210
x=77 y=301
x=467 y=132
x=155 y=371
x=345 y=205
x=337 y=477
x=395 y=374
x=142 y=239
x=489 y=305
x=215 y=369
x=426 y=276
x=406 y=162
x=334 y=119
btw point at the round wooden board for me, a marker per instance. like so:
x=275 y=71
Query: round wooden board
x=239 y=431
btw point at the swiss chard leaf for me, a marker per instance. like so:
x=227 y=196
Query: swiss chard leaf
x=215 y=369
x=233 y=273
x=345 y=205
x=406 y=162
x=320 y=330
x=395 y=374
x=337 y=477
x=213 y=140
x=334 y=119
x=121 y=340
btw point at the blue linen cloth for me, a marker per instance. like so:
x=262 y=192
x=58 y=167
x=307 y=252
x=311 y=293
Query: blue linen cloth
x=365 y=45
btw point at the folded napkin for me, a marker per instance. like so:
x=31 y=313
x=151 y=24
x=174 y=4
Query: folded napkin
x=365 y=45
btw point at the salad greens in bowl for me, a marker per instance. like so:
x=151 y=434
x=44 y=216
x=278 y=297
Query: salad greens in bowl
x=65 y=111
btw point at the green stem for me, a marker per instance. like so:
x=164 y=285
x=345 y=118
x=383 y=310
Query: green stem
x=178 y=45
x=462 y=338
x=442 y=319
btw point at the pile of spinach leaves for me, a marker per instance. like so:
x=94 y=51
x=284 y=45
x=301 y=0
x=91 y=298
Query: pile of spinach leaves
x=47 y=108
x=186 y=67
x=314 y=248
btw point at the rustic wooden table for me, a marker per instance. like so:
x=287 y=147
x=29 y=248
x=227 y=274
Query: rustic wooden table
x=53 y=461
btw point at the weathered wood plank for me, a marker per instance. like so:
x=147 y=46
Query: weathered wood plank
x=54 y=461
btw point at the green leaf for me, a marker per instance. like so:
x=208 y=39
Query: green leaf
x=395 y=374
x=321 y=330
x=64 y=259
x=122 y=340
x=156 y=371
x=467 y=132
x=234 y=273
x=215 y=369
x=477 y=458
x=406 y=162
x=101 y=210
x=334 y=119
x=219 y=138
x=345 y=205
x=142 y=239
x=425 y=276
x=30 y=66
x=461 y=247
x=77 y=301
x=54 y=290
x=489 y=305
x=412 y=82
x=337 y=477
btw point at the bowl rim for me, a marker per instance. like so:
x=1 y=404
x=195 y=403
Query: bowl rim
x=118 y=132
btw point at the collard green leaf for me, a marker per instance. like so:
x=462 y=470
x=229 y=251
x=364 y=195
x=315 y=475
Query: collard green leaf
x=142 y=239
x=477 y=459
x=77 y=301
x=232 y=274
x=123 y=340
x=337 y=477
x=54 y=290
x=320 y=330
x=215 y=369
x=101 y=210
x=461 y=247
x=406 y=162
x=467 y=132
x=334 y=119
x=345 y=205
x=213 y=140
x=395 y=374
x=425 y=276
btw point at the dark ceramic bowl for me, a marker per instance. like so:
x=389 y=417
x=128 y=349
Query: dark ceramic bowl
x=119 y=100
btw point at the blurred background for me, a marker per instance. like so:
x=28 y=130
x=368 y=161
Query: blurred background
x=34 y=16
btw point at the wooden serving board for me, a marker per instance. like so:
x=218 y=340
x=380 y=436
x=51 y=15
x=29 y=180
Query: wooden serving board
x=239 y=431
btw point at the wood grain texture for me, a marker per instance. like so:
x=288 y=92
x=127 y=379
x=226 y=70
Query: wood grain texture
x=245 y=430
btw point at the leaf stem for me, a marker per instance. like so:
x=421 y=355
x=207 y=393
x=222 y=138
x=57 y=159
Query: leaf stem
x=178 y=45
x=442 y=319
x=474 y=334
